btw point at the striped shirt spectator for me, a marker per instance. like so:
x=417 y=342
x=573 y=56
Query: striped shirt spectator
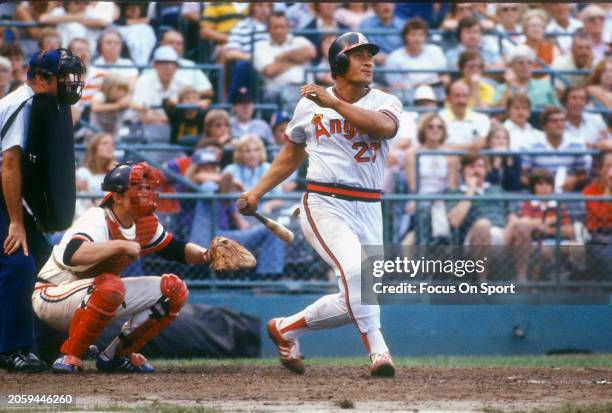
x=246 y=33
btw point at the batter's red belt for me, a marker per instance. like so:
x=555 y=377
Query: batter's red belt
x=346 y=192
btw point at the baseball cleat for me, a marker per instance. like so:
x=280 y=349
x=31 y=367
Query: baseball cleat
x=134 y=363
x=288 y=350
x=67 y=364
x=22 y=361
x=382 y=365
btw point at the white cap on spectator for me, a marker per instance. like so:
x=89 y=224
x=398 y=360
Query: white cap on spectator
x=521 y=52
x=425 y=92
x=165 y=54
x=5 y=63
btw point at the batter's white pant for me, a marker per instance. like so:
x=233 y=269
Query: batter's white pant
x=337 y=229
x=55 y=305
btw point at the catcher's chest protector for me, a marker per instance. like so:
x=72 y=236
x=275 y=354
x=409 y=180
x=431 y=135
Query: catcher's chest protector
x=145 y=230
x=48 y=165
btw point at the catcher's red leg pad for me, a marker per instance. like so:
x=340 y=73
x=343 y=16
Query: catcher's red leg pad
x=174 y=293
x=88 y=322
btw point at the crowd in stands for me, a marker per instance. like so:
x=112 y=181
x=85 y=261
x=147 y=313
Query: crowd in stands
x=496 y=82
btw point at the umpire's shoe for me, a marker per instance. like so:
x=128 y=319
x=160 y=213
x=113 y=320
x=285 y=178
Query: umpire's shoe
x=288 y=350
x=382 y=365
x=134 y=363
x=22 y=361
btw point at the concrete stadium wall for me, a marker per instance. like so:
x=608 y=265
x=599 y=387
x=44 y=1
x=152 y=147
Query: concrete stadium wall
x=419 y=330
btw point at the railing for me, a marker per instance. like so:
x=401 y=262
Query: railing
x=320 y=282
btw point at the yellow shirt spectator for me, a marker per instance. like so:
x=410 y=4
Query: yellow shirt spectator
x=219 y=18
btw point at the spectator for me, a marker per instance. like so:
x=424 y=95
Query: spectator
x=581 y=57
x=49 y=39
x=108 y=48
x=570 y=171
x=384 y=19
x=80 y=48
x=278 y=123
x=600 y=83
x=542 y=215
x=503 y=170
x=484 y=223
x=522 y=134
x=466 y=128
x=415 y=55
x=352 y=14
x=482 y=94
x=325 y=78
x=599 y=213
x=437 y=172
x=519 y=79
x=433 y=13
x=80 y=19
x=269 y=249
x=282 y=60
x=507 y=16
x=5 y=76
x=561 y=22
x=593 y=18
x=323 y=21
x=424 y=98
x=217 y=130
x=19 y=68
x=534 y=25
x=242 y=123
x=186 y=123
x=248 y=31
x=99 y=160
x=298 y=15
x=217 y=21
x=134 y=26
x=153 y=87
x=30 y=12
x=109 y=105
x=469 y=34
x=192 y=77
x=585 y=128
x=457 y=12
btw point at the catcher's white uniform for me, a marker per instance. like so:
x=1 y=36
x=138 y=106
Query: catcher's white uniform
x=341 y=209
x=60 y=291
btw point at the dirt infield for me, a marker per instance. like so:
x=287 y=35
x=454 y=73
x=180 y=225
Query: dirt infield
x=237 y=387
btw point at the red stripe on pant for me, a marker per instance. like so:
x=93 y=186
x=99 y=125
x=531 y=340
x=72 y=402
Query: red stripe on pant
x=334 y=259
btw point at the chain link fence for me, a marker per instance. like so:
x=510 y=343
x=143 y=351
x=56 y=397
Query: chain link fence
x=572 y=255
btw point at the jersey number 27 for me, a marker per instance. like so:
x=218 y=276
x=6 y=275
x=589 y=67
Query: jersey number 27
x=362 y=148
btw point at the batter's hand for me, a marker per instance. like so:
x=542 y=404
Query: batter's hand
x=251 y=203
x=15 y=239
x=318 y=95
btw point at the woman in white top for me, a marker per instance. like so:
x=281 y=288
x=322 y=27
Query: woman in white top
x=437 y=172
x=99 y=160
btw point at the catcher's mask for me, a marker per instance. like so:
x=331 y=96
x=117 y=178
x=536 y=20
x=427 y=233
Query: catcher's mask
x=139 y=181
x=66 y=67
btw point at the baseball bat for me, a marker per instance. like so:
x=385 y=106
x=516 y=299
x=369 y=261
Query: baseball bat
x=277 y=229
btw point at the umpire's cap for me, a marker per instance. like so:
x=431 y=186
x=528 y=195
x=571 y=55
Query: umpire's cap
x=338 y=61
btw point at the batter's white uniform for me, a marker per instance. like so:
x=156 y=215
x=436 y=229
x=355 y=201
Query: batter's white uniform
x=59 y=291
x=341 y=210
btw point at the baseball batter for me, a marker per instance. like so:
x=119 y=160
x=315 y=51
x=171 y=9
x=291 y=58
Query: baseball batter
x=345 y=130
x=79 y=289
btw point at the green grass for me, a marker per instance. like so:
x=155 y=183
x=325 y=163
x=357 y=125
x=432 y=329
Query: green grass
x=564 y=408
x=570 y=360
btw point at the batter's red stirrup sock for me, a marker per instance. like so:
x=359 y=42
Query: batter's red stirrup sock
x=293 y=327
x=364 y=340
x=88 y=321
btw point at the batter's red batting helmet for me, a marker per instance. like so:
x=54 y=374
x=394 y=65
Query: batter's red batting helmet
x=338 y=61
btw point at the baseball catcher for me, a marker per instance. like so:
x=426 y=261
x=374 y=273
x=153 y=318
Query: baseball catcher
x=79 y=289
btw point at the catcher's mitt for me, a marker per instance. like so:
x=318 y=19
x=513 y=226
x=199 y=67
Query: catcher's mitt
x=229 y=255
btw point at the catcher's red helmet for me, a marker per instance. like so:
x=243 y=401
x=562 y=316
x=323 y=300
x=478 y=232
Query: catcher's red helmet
x=338 y=61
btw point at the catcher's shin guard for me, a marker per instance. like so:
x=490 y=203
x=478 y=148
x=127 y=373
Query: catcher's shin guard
x=108 y=292
x=174 y=296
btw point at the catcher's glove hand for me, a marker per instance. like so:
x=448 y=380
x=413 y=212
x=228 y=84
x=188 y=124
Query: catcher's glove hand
x=228 y=255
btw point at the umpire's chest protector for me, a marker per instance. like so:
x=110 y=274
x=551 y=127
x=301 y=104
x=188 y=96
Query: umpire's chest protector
x=48 y=165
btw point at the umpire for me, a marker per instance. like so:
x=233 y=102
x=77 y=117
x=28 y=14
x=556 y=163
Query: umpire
x=54 y=75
